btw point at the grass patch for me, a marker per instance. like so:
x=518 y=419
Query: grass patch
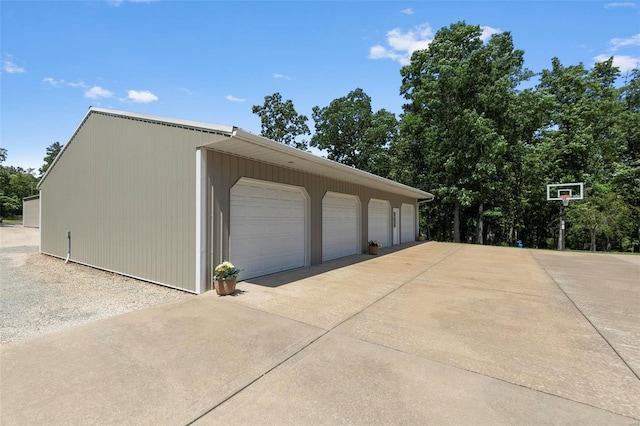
x=15 y=220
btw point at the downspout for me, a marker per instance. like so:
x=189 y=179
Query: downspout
x=68 y=247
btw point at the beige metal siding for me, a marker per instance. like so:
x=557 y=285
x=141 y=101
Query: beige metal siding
x=224 y=170
x=31 y=212
x=125 y=189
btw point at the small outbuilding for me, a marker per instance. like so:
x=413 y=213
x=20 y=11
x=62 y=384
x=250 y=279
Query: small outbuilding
x=31 y=211
x=165 y=200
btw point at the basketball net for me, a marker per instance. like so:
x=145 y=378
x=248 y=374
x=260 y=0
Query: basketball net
x=565 y=199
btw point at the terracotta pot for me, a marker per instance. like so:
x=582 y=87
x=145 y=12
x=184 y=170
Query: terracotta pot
x=225 y=287
x=420 y=238
x=373 y=250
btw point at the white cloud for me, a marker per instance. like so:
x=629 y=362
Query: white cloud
x=618 y=43
x=281 y=76
x=11 y=67
x=142 y=97
x=185 y=91
x=487 y=32
x=381 y=52
x=407 y=11
x=54 y=83
x=61 y=82
x=78 y=84
x=619 y=4
x=97 y=92
x=234 y=99
x=625 y=63
x=117 y=3
x=403 y=44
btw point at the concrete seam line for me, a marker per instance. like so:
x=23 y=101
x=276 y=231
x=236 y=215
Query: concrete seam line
x=497 y=378
x=586 y=318
x=324 y=333
x=497 y=290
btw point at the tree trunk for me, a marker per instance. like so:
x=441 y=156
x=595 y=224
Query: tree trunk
x=593 y=240
x=480 y=225
x=456 y=222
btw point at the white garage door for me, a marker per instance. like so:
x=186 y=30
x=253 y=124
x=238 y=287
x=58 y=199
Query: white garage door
x=407 y=223
x=267 y=227
x=339 y=226
x=379 y=221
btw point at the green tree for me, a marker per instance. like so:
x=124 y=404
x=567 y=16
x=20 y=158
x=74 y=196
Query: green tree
x=585 y=132
x=15 y=184
x=280 y=121
x=589 y=139
x=599 y=219
x=459 y=92
x=626 y=178
x=52 y=152
x=353 y=134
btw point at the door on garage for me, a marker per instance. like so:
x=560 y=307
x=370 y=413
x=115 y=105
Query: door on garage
x=379 y=221
x=407 y=223
x=268 y=227
x=340 y=225
x=395 y=226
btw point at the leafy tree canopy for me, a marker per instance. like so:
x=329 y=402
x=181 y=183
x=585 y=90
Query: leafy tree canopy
x=15 y=184
x=281 y=122
x=353 y=134
x=52 y=152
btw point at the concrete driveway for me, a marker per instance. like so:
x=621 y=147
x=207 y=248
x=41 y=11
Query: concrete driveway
x=432 y=334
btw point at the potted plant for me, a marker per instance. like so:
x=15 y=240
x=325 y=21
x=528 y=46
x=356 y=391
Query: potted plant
x=373 y=247
x=421 y=237
x=225 y=277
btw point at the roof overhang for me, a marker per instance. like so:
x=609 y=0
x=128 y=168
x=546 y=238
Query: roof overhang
x=235 y=141
x=250 y=146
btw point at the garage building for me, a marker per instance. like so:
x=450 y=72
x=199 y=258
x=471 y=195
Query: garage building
x=165 y=200
x=31 y=211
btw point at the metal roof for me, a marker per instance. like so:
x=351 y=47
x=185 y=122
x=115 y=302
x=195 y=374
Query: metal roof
x=248 y=145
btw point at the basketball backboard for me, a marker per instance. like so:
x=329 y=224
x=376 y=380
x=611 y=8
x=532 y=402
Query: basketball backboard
x=565 y=191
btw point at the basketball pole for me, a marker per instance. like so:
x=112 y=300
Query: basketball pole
x=563 y=233
x=565 y=192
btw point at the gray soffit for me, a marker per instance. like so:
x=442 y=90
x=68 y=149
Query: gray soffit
x=248 y=145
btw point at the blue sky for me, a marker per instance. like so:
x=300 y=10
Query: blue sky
x=212 y=60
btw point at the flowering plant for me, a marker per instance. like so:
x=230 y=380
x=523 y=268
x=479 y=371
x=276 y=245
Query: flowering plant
x=226 y=271
x=374 y=243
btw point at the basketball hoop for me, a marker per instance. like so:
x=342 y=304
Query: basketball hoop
x=564 y=192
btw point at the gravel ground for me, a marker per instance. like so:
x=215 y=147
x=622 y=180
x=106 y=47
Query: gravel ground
x=40 y=294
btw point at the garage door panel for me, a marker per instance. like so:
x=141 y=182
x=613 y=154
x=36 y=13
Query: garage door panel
x=379 y=221
x=267 y=228
x=339 y=226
